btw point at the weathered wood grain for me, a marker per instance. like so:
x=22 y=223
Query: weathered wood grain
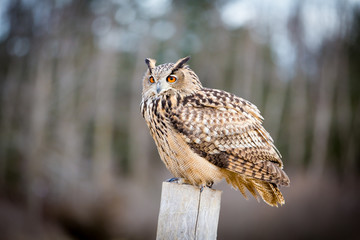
x=187 y=213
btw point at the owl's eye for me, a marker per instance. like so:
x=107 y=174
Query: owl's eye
x=151 y=79
x=171 y=79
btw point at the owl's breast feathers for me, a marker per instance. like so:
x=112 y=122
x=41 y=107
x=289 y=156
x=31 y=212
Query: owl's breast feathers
x=227 y=131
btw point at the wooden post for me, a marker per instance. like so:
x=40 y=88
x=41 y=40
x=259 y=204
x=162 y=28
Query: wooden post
x=187 y=213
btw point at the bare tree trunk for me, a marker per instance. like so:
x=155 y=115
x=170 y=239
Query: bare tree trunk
x=139 y=137
x=298 y=118
x=104 y=115
x=246 y=57
x=9 y=98
x=274 y=106
x=323 y=111
x=36 y=158
x=68 y=137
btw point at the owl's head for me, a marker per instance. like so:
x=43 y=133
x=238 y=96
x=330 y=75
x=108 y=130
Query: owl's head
x=169 y=78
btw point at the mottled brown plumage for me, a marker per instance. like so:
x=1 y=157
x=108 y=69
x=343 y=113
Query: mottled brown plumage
x=204 y=135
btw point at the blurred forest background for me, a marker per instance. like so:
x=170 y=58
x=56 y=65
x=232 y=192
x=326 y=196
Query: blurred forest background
x=77 y=160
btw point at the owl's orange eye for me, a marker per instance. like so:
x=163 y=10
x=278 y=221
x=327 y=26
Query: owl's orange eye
x=171 y=79
x=151 y=79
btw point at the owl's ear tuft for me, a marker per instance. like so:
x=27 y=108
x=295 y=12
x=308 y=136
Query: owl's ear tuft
x=150 y=63
x=180 y=63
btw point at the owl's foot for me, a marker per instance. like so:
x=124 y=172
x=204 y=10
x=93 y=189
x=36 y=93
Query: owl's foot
x=174 y=179
x=209 y=185
x=178 y=180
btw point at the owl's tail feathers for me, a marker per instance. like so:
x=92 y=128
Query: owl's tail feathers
x=269 y=192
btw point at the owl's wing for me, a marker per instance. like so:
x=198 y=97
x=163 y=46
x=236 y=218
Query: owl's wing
x=227 y=131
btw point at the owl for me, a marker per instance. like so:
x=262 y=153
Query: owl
x=205 y=135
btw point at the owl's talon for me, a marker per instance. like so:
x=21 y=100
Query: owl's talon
x=174 y=179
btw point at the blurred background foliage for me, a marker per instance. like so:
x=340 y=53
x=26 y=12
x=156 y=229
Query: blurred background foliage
x=76 y=158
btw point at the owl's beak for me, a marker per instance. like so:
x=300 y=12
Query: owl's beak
x=158 y=87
